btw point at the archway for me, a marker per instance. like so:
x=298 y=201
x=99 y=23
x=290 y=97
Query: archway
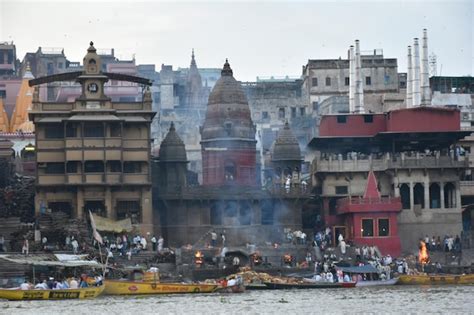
x=419 y=195
x=435 y=196
x=449 y=195
x=405 y=196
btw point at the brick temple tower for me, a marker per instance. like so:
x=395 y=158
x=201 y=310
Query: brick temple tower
x=228 y=135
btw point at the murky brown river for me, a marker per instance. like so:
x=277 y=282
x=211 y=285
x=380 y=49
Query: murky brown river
x=375 y=300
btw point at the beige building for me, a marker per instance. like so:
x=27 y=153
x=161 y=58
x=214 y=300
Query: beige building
x=94 y=154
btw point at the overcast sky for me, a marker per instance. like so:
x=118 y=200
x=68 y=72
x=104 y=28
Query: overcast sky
x=260 y=38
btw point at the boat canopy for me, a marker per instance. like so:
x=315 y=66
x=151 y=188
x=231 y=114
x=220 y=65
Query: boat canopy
x=359 y=269
x=57 y=260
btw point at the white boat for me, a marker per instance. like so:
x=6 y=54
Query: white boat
x=370 y=283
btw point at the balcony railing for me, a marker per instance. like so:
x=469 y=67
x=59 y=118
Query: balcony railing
x=338 y=164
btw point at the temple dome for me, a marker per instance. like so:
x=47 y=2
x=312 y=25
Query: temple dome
x=172 y=148
x=228 y=112
x=286 y=146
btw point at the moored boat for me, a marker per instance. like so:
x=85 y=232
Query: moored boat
x=121 y=287
x=436 y=279
x=371 y=283
x=61 y=294
x=309 y=285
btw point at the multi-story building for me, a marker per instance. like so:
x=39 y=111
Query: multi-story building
x=324 y=79
x=8 y=62
x=416 y=165
x=93 y=154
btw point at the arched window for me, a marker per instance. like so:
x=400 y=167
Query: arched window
x=419 y=195
x=405 y=196
x=229 y=171
x=449 y=195
x=435 y=196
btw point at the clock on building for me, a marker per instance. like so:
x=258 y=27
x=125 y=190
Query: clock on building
x=92 y=87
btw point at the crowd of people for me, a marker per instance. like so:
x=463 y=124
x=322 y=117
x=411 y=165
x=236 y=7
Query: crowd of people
x=129 y=245
x=448 y=244
x=65 y=283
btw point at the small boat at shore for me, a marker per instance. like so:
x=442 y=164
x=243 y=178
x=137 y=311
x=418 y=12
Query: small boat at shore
x=309 y=285
x=61 y=294
x=436 y=279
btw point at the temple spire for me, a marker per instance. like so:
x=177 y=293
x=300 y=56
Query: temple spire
x=371 y=190
x=193 y=61
x=227 y=70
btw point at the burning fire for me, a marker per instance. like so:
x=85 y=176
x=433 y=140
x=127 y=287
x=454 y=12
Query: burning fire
x=257 y=259
x=198 y=258
x=287 y=259
x=423 y=257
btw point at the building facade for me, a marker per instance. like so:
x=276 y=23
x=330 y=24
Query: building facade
x=412 y=154
x=94 y=154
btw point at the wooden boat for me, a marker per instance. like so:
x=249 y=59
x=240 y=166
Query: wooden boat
x=256 y=286
x=62 y=294
x=120 y=287
x=371 y=283
x=308 y=285
x=436 y=279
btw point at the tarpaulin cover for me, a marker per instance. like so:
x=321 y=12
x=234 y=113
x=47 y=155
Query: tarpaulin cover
x=104 y=224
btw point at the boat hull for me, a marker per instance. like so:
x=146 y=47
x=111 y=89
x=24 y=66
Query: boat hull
x=117 y=287
x=315 y=285
x=376 y=283
x=66 y=294
x=436 y=279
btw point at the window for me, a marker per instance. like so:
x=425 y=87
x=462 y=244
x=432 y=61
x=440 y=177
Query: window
x=384 y=227
x=94 y=167
x=341 y=119
x=314 y=82
x=60 y=65
x=293 y=112
x=368 y=81
x=114 y=166
x=228 y=128
x=54 y=168
x=71 y=167
x=50 y=68
x=302 y=111
x=367 y=228
x=346 y=81
x=368 y=118
x=315 y=106
x=341 y=190
x=93 y=130
x=50 y=93
x=328 y=81
x=281 y=113
x=216 y=214
x=129 y=209
x=267 y=216
x=115 y=130
x=54 y=131
x=264 y=115
x=71 y=130
x=132 y=167
x=245 y=215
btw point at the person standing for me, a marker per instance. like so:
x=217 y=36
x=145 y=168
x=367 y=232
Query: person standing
x=342 y=244
x=26 y=247
x=153 y=243
x=223 y=239
x=75 y=245
x=160 y=244
x=2 y=243
x=213 y=239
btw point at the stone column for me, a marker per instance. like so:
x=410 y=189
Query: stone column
x=412 y=201
x=109 y=205
x=457 y=196
x=441 y=192
x=147 y=213
x=426 y=186
x=80 y=203
x=396 y=187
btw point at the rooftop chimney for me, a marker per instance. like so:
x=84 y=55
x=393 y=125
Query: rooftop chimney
x=359 y=89
x=425 y=78
x=416 y=74
x=409 y=100
x=351 y=80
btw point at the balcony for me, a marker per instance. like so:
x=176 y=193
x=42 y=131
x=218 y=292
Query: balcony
x=50 y=156
x=135 y=144
x=467 y=188
x=94 y=178
x=51 y=179
x=338 y=164
x=136 y=179
x=135 y=155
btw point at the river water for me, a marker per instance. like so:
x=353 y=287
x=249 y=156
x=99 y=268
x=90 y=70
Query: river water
x=374 y=300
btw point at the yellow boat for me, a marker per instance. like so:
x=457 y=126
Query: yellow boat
x=436 y=279
x=63 y=294
x=120 y=287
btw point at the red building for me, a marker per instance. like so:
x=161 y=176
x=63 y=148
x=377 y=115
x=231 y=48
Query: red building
x=372 y=219
x=413 y=153
x=228 y=142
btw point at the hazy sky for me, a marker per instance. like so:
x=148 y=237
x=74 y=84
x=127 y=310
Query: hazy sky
x=260 y=38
